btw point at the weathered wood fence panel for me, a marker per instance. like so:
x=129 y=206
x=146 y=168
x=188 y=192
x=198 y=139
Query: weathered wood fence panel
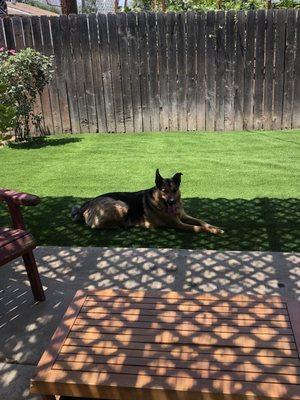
x=149 y=72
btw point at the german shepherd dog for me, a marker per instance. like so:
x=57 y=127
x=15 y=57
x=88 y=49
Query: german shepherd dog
x=160 y=206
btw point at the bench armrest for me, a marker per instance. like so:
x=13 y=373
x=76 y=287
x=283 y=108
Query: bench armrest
x=21 y=199
x=14 y=200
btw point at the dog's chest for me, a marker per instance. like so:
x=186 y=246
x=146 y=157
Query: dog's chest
x=158 y=217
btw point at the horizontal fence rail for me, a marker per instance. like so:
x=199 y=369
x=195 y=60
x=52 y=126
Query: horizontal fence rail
x=166 y=72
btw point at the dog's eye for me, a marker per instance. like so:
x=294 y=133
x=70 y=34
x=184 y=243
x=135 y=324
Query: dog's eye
x=163 y=190
x=175 y=190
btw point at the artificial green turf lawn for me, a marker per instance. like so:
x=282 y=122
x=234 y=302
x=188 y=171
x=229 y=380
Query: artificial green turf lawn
x=247 y=183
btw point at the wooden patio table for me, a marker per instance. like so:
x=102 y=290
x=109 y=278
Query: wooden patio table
x=129 y=345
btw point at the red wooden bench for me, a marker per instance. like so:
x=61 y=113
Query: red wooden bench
x=18 y=242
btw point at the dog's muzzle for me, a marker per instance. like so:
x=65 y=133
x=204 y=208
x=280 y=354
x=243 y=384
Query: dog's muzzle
x=171 y=206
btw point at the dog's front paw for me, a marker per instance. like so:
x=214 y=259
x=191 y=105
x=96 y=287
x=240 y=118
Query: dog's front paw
x=216 y=231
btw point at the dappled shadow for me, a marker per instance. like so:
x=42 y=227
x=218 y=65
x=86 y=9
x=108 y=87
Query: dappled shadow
x=258 y=224
x=40 y=142
x=14 y=382
x=175 y=342
x=26 y=326
x=263 y=224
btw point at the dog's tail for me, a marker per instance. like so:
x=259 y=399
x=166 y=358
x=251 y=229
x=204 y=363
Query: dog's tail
x=76 y=213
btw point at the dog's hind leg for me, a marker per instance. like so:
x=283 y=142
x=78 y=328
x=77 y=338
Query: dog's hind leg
x=105 y=212
x=187 y=219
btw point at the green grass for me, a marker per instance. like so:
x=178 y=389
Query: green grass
x=245 y=182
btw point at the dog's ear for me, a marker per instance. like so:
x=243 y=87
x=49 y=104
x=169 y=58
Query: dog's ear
x=177 y=178
x=159 y=180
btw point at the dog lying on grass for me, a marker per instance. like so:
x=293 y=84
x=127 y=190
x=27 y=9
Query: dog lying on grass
x=160 y=206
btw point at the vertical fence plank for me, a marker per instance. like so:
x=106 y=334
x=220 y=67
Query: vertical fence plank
x=70 y=74
x=239 y=71
x=144 y=69
x=48 y=50
x=60 y=73
x=134 y=72
x=18 y=33
x=153 y=71
x=97 y=73
x=201 y=56
x=33 y=33
x=259 y=71
x=125 y=71
x=279 y=67
x=220 y=69
x=2 y=35
x=172 y=69
x=75 y=35
x=115 y=72
x=296 y=103
x=182 y=81
x=191 y=71
x=210 y=72
x=163 y=72
x=229 y=73
x=9 y=33
x=289 y=70
x=249 y=70
x=37 y=35
x=27 y=31
x=269 y=70
x=88 y=75
x=106 y=71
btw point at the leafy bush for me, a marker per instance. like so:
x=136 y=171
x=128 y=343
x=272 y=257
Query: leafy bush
x=7 y=112
x=206 y=5
x=287 y=4
x=7 y=117
x=89 y=7
x=23 y=76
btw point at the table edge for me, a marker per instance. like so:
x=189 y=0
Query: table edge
x=49 y=356
x=293 y=307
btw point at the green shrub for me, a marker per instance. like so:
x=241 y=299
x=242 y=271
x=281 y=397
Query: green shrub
x=206 y=5
x=7 y=112
x=23 y=76
x=89 y=7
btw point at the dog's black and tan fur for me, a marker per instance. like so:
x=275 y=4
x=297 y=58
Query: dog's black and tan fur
x=159 y=206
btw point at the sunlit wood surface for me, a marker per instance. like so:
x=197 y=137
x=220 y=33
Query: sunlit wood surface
x=119 y=344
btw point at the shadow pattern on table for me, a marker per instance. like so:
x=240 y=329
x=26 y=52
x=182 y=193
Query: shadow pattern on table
x=26 y=327
x=183 y=343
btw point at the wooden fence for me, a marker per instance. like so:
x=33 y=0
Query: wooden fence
x=161 y=72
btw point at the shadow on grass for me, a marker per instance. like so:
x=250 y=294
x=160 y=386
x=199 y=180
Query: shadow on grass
x=40 y=142
x=259 y=224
